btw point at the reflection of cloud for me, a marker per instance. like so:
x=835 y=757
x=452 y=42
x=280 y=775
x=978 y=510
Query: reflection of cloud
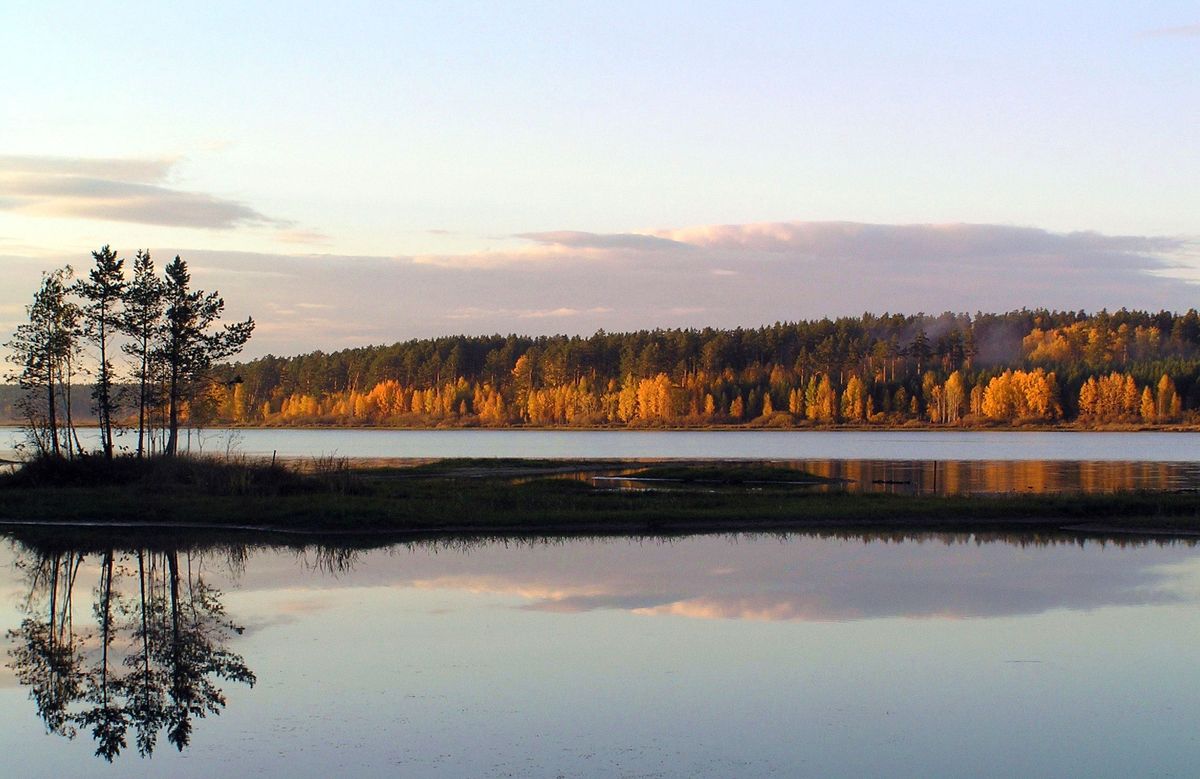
x=489 y=583
x=804 y=578
x=759 y=609
x=121 y=190
x=289 y=609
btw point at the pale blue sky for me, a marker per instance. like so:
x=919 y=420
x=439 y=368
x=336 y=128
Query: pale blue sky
x=404 y=130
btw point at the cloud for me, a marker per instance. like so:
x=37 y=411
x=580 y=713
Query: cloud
x=147 y=170
x=729 y=276
x=118 y=190
x=1186 y=31
x=581 y=240
x=562 y=311
x=205 y=270
x=961 y=244
x=303 y=237
x=542 y=313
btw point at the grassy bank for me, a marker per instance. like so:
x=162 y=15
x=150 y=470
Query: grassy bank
x=464 y=497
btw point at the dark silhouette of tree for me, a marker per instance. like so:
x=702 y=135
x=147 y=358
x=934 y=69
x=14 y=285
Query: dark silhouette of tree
x=107 y=717
x=188 y=346
x=43 y=349
x=143 y=316
x=47 y=655
x=103 y=292
x=145 y=681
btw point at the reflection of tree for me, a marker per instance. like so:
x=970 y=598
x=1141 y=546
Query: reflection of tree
x=47 y=653
x=154 y=663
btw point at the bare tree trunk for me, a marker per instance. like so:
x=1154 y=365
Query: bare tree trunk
x=173 y=422
x=51 y=409
x=142 y=403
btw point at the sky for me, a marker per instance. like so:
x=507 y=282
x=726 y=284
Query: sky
x=359 y=172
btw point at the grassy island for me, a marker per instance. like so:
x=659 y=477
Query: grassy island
x=532 y=497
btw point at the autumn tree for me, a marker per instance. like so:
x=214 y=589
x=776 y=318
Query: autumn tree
x=1168 y=399
x=1147 y=409
x=854 y=406
x=954 y=396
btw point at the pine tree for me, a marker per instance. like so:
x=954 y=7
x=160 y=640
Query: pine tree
x=102 y=293
x=43 y=349
x=142 y=320
x=186 y=346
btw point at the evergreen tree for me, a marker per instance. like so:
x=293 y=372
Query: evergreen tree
x=42 y=349
x=186 y=346
x=142 y=318
x=102 y=293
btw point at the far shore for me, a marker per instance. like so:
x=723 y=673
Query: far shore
x=752 y=426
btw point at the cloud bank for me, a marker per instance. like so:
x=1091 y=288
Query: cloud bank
x=718 y=275
x=119 y=190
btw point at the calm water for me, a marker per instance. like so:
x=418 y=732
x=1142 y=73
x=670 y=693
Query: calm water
x=702 y=444
x=705 y=656
x=907 y=462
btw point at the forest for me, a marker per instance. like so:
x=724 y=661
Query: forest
x=954 y=369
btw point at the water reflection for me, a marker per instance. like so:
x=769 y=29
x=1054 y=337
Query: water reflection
x=128 y=644
x=149 y=659
x=804 y=577
x=967 y=477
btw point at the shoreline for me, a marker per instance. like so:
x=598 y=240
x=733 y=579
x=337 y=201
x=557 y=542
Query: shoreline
x=1070 y=427
x=476 y=497
x=1017 y=526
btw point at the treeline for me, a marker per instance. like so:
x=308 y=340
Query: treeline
x=953 y=369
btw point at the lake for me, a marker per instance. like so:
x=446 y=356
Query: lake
x=893 y=445
x=945 y=462
x=717 y=656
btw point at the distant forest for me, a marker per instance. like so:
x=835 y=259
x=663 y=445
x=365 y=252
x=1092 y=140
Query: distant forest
x=1021 y=367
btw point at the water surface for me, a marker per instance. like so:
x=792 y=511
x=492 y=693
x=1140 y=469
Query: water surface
x=684 y=444
x=933 y=655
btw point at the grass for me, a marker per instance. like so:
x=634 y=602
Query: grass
x=516 y=497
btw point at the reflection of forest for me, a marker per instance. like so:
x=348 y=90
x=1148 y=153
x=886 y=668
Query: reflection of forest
x=149 y=657
x=967 y=477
